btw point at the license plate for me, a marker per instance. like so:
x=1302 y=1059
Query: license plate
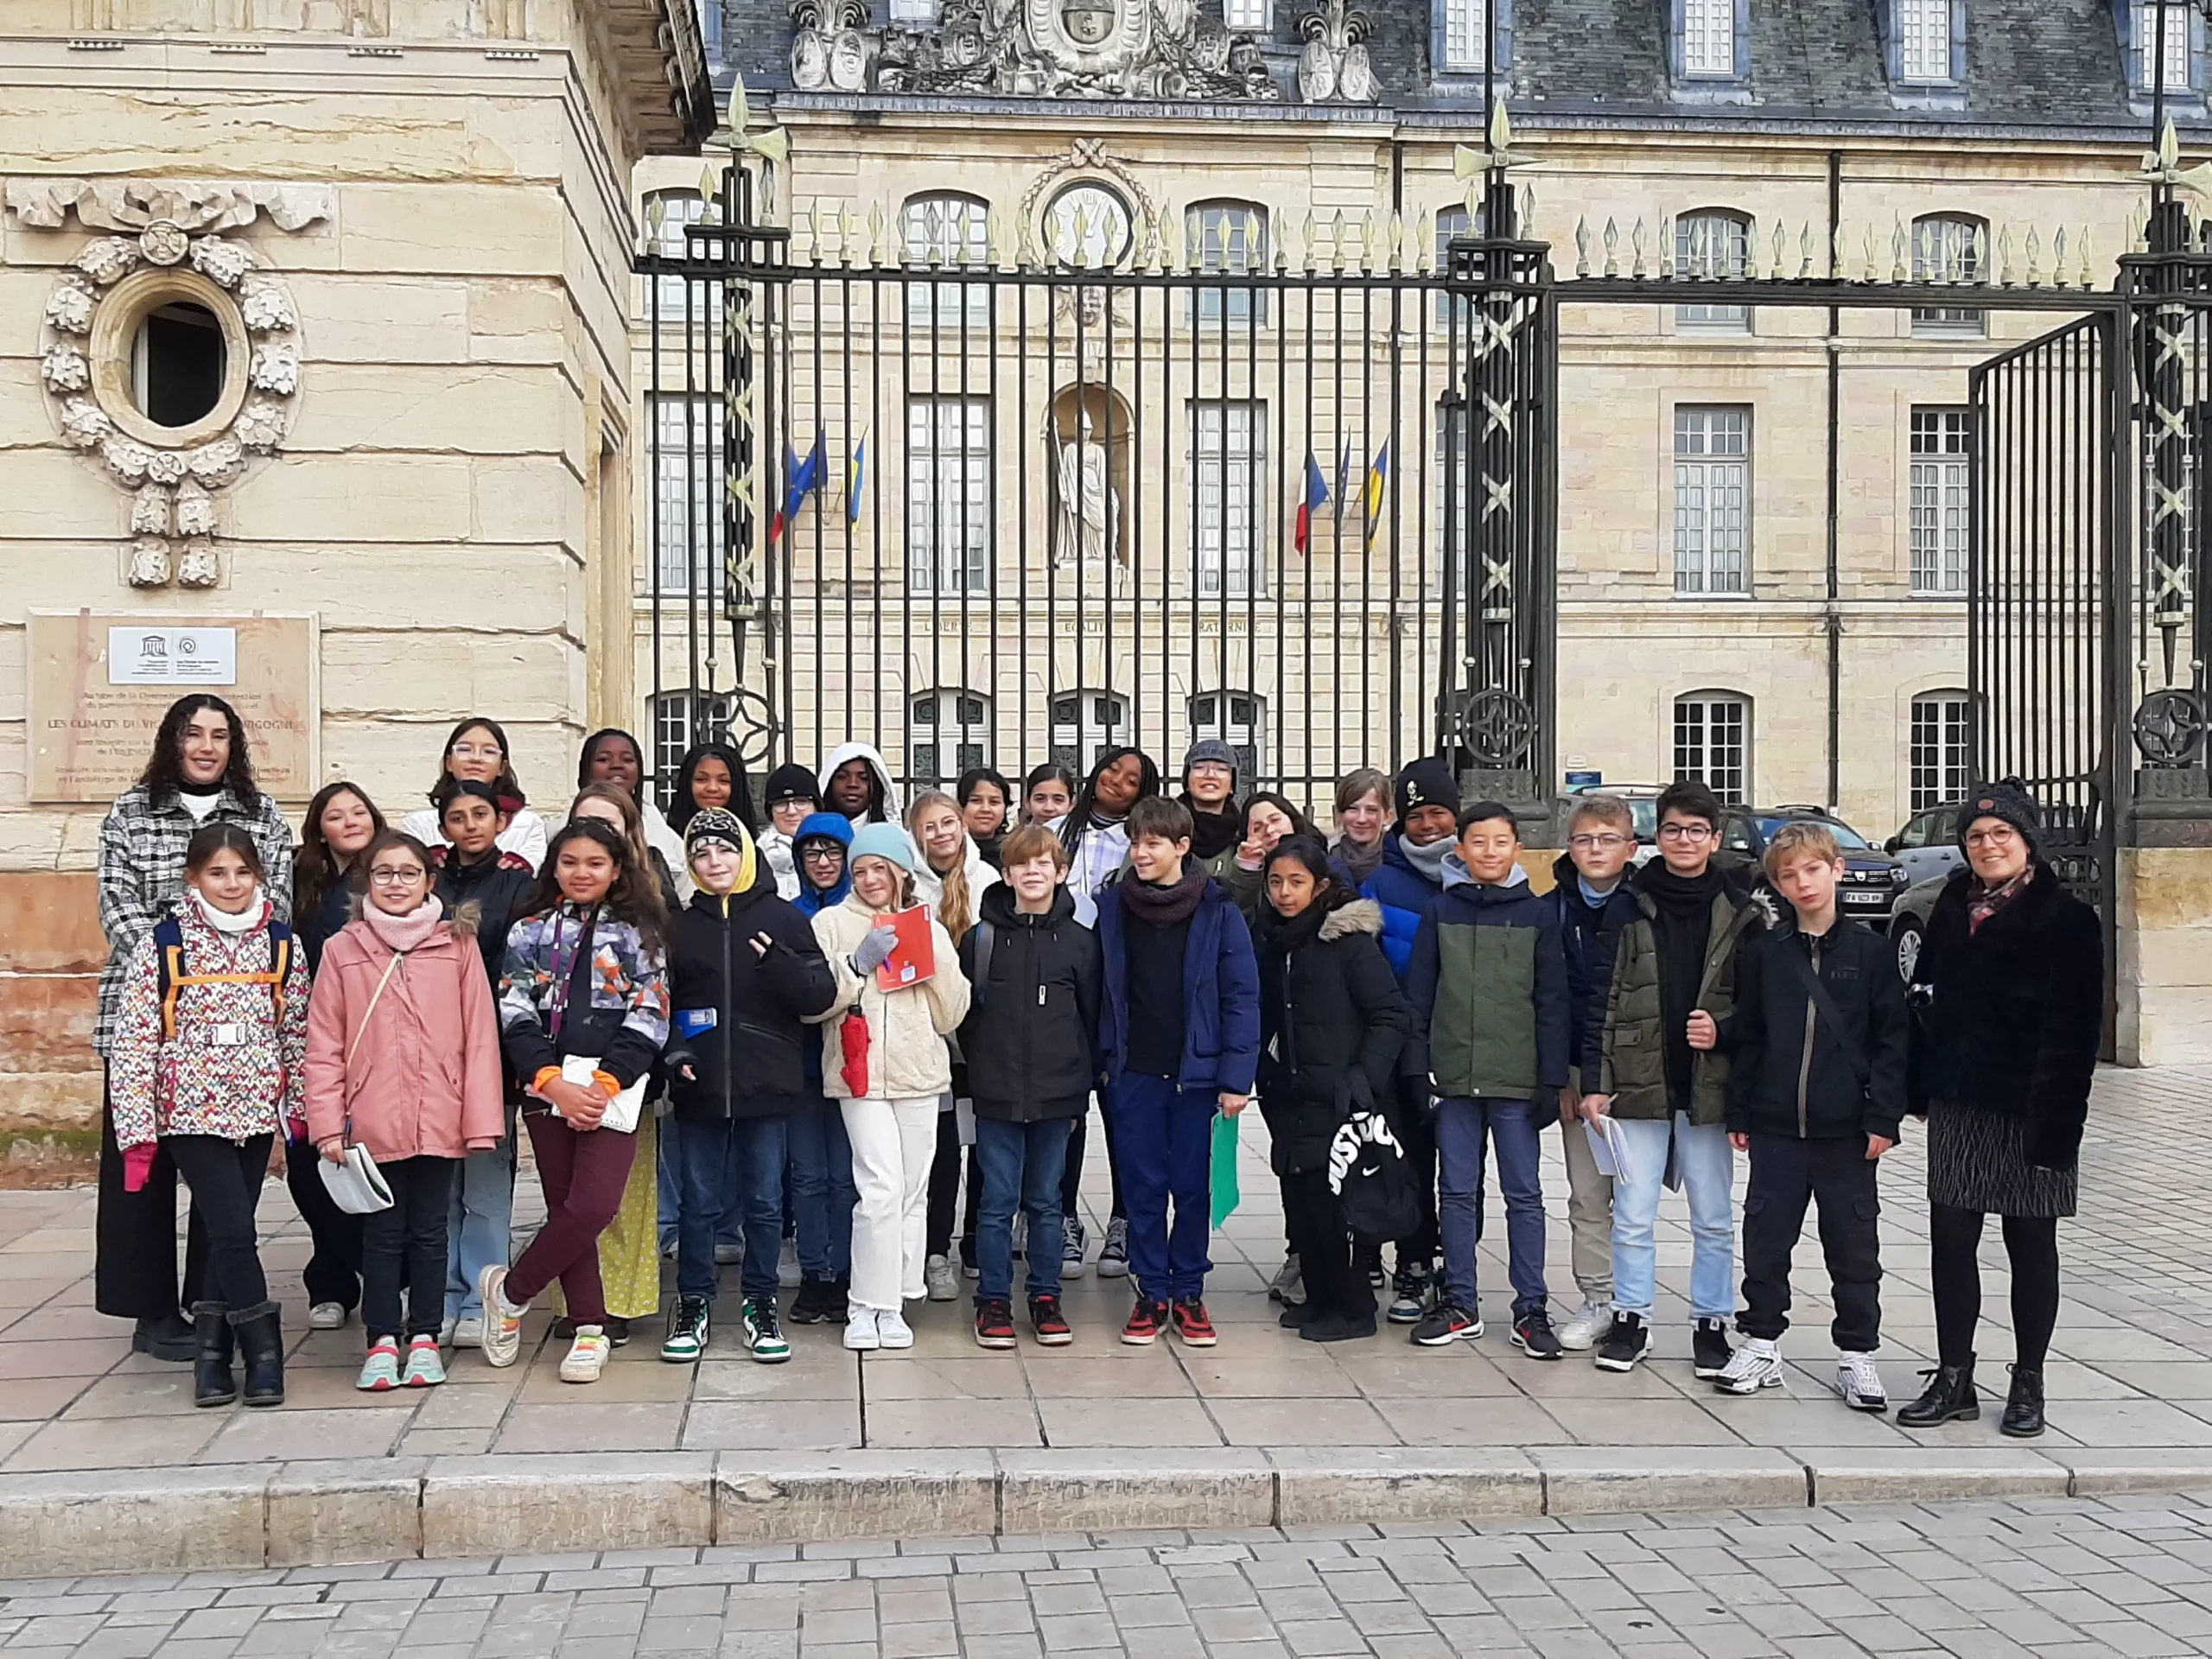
x=1865 y=897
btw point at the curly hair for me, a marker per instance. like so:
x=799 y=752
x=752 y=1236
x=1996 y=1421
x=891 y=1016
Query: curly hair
x=163 y=778
x=634 y=897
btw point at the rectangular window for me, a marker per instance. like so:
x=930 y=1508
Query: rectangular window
x=948 y=494
x=666 y=304
x=1947 y=250
x=1713 y=247
x=673 y=728
x=1463 y=36
x=1228 y=467
x=1713 y=743
x=1924 y=39
x=913 y=13
x=686 y=508
x=2146 y=39
x=1709 y=37
x=1711 y=500
x=1228 y=239
x=1940 y=469
x=1245 y=16
x=944 y=231
x=1942 y=726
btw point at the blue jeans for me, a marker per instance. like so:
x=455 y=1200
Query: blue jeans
x=1709 y=1168
x=704 y=1153
x=1461 y=1128
x=822 y=1194
x=1022 y=1168
x=672 y=1196
x=478 y=1223
x=1164 y=1135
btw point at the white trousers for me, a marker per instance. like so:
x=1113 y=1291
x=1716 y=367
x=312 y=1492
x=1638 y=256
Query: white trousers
x=895 y=1142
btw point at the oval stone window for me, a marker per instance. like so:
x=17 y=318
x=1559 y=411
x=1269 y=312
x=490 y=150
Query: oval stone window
x=177 y=364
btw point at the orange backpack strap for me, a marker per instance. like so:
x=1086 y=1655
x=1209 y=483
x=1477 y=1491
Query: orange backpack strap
x=168 y=942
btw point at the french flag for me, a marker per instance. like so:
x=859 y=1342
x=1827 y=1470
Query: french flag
x=1315 y=496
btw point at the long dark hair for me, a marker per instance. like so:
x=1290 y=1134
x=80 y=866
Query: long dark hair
x=1086 y=800
x=315 y=869
x=505 y=784
x=681 y=806
x=163 y=777
x=633 y=898
x=1299 y=824
x=1310 y=854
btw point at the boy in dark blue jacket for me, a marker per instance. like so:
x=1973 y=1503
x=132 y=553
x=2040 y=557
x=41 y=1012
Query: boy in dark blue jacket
x=1426 y=796
x=1488 y=985
x=1181 y=1032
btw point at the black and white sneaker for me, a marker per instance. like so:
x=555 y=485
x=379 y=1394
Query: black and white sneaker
x=1409 y=1294
x=1709 y=1348
x=1534 y=1336
x=1114 y=1254
x=1624 y=1345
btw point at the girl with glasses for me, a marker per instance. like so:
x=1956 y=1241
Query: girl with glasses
x=477 y=750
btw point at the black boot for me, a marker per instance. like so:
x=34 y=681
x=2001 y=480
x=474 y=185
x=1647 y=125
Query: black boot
x=1949 y=1399
x=165 y=1336
x=2023 y=1418
x=212 y=1383
x=261 y=1340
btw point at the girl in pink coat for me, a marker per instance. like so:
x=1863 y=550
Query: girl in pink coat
x=404 y=1059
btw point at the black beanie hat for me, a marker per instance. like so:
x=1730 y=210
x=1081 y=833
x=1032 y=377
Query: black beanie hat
x=793 y=782
x=2008 y=802
x=1428 y=782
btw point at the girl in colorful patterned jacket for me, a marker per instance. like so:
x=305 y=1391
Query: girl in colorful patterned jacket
x=583 y=979
x=210 y=1035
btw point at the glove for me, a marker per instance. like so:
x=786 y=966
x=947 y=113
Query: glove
x=875 y=950
x=137 y=1167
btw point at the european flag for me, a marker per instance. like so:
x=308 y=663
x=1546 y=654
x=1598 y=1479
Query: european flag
x=799 y=482
x=1316 y=492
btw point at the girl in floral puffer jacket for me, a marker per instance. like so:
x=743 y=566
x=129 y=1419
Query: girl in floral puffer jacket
x=210 y=1037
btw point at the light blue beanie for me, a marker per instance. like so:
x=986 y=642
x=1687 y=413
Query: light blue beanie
x=883 y=841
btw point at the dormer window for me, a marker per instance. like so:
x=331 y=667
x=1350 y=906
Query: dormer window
x=913 y=13
x=1924 y=40
x=1246 y=16
x=1460 y=36
x=1709 y=39
x=2142 y=18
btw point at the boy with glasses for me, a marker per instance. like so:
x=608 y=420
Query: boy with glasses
x=1663 y=1077
x=1593 y=903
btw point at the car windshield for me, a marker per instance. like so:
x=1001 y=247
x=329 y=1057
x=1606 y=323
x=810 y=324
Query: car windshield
x=1846 y=836
x=1646 y=809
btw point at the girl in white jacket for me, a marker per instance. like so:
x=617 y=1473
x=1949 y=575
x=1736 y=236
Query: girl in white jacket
x=884 y=1060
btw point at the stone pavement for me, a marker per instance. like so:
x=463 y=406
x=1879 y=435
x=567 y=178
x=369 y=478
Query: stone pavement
x=1264 y=1425
x=2057 y=1577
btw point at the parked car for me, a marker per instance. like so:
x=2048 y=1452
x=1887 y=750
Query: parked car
x=1929 y=844
x=1644 y=801
x=1908 y=922
x=1871 y=878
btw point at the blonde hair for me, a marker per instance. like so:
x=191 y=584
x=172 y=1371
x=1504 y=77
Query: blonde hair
x=955 y=905
x=1602 y=809
x=1800 y=839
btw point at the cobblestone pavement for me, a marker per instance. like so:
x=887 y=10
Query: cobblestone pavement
x=2048 y=1578
x=2130 y=1371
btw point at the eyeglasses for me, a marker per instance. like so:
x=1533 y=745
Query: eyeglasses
x=1997 y=837
x=1685 y=832
x=396 y=878
x=475 y=751
x=1592 y=843
x=822 y=854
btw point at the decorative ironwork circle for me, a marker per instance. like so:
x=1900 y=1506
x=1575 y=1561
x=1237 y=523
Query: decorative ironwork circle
x=753 y=726
x=2169 y=727
x=1495 y=727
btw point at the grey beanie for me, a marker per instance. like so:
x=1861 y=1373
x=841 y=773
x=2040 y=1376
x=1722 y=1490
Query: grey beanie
x=1213 y=749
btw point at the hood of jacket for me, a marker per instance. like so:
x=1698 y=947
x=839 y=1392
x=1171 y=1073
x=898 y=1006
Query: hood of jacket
x=892 y=812
x=929 y=885
x=1356 y=916
x=825 y=826
x=997 y=907
x=1457 y=878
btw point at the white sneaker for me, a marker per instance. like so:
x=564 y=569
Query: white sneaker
x=502 y=1319
x=1756 y=1365
x=468 y=1331
x=1860 y=1382
x=943 y=1281
x=587 y=1355
x=861 y=1333
x=326 y=1316
x=787 y=1268
x=446 y=1328
x=892 y=1330
x=728 y=1255
x=1580 y=1330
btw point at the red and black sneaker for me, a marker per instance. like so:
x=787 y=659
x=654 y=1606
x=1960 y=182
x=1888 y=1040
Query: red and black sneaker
x=1145 y=1320
x=1192 y=1324
x=1050 y=1324
x=993 y=1326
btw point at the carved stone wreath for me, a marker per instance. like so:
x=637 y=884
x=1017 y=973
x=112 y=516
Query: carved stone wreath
x=92 y=317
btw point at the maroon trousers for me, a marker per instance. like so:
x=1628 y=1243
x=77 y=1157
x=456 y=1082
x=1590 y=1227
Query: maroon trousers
x=583 y=1173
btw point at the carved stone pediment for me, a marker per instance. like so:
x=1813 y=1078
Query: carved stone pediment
x=137 y=205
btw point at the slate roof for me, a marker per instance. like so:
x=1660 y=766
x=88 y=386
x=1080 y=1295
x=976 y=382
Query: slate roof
x=2038 y=67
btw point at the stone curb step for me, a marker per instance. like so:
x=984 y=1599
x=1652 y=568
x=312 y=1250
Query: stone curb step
x=322 y=1513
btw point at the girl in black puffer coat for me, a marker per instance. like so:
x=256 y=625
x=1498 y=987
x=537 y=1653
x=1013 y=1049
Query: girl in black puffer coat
x=1332 y=1022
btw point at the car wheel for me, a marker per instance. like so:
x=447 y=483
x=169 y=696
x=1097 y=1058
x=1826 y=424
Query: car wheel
x=1907 y=936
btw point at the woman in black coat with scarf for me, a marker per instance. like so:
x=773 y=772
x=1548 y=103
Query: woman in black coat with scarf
x=2010 y=993
x=1332 y=1022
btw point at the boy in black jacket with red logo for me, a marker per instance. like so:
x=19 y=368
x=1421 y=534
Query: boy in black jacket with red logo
x=1816 y=1093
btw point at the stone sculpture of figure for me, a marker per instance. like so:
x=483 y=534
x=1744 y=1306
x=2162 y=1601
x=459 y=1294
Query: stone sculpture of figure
x=1089 y=509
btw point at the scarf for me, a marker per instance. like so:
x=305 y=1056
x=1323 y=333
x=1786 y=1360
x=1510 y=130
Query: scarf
x=224 y=921
x=1359 y=861
x=1165 y=906
x=1427 y=861
x=1213 y=834
x=1681 y=933
x=404 y=933
x=1985 y=901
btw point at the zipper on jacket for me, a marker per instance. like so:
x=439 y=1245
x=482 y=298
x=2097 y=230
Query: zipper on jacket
x=729 y=996
x=1805 y=1060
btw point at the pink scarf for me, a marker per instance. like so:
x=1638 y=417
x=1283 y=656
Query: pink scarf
x=404 y=933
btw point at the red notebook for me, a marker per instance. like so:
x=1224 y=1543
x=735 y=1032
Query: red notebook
x=912 y=959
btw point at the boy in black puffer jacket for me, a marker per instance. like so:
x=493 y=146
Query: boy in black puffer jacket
x=1816 y=1094
x=1331 y=1023
x=1030 y=1043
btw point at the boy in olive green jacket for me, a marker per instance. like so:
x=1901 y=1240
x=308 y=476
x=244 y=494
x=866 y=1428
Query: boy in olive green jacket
x=1488 y=985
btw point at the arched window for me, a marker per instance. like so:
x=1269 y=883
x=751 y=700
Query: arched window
x=667 y=213
x=1948 y=248
x=1240 y=720
x=1084 y=725
x=1452 y=223
x=1228 y=238
x=946 y=230
x=1942 y=729
x=675 y=730
x=1713 y=741
x=1713 y=244
x=947 y=732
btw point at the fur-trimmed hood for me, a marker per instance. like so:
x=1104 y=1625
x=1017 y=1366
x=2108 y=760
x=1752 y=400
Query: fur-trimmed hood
x=1360 y=916
x=464 y=922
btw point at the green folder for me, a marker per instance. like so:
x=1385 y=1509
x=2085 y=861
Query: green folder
x=1225 y=1194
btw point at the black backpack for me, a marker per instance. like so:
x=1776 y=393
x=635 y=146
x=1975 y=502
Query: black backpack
x=1369 y=1173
